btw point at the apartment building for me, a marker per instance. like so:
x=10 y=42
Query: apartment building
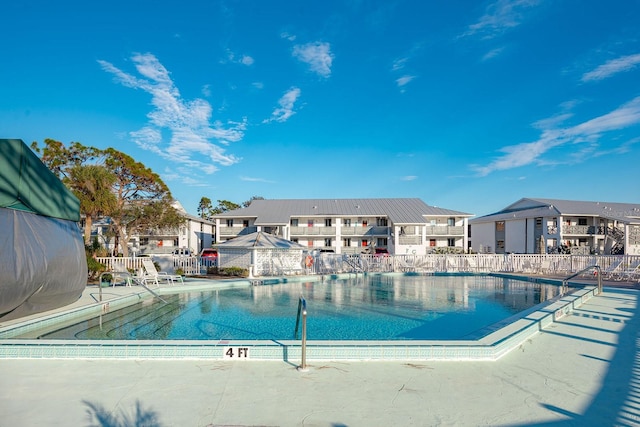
x=351 y=226
x=559 y=226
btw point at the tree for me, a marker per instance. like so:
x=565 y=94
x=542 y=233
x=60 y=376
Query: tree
x=205 y=208
x=92 y=185
x=248 y=202
x=139 y=200
x=143 y=199
x=224 y=206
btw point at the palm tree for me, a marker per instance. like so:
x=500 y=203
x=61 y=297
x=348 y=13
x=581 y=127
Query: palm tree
x=92 y=185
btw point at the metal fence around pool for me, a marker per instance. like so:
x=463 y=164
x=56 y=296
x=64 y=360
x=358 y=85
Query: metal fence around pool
x=617 y=267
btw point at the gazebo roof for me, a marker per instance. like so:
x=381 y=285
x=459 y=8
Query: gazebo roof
x=260 y=239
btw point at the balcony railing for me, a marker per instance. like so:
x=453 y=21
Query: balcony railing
x=445 y=230
x=236 y=231
x=344 y=231
x=313 y=231
x=582 y=229
x=410 y=240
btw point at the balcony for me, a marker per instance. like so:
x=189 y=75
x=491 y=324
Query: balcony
x=445 y=230
x=344 y=231
x=582 y=229
x=236 y=231
x=313 y=231
x=410 y=240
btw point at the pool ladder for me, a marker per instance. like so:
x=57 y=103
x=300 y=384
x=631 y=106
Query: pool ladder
x=598 y=273
x=302 y=314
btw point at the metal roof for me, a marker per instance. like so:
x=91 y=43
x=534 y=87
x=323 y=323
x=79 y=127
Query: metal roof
x=398 y=210
x=530 y=207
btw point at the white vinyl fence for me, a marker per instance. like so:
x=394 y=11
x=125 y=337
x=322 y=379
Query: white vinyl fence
x=329 y=263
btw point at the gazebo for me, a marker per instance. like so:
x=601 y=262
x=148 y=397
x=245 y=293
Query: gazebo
x=263 y=254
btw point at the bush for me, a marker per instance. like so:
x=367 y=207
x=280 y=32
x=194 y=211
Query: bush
x=235 y=272
x=94 y=267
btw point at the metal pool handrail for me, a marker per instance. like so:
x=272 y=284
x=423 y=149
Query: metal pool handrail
x=302 y=305
x=598 y=274
x=302 y=310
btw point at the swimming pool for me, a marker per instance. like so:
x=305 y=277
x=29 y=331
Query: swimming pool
x=364 y=308
x=416 y=299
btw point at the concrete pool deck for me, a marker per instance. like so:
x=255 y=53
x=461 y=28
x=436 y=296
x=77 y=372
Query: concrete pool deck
x=582 y=370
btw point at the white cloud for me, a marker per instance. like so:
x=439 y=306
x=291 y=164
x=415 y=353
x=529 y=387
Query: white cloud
x=188 y=123
x=317 y=55
x=409 y=178
x=288 y=36
x=206 y=90
x=404 y=80
x=492 y=53
x=500 y=16
x=588 y=133
x=282 y=113
x=234 y=59
x=250 y=179
x=246 y=60
x=399 y=64
x=614 y=66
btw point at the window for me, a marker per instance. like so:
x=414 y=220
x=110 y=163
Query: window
x=432 y=242
x=499 y=225
x=451 y=222
x=295 y=240
x=363 y=243
x=230 y=223
x=245 y=223
x=451 y=242
x=500 y=245
x=582 y=221
x=346 y=242
x=294 y=222
x=310 y=223
x=382 y=241
x=346 y=222
x=327 y=222
x=327 y=241
x=364 y=223
x=382 y=222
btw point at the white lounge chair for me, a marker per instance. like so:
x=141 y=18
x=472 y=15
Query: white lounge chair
x=631 y=273
x=120 y=271
x=151 y=273
x=613 y=269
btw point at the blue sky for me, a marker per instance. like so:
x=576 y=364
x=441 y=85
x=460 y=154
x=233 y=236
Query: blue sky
x=467 y=105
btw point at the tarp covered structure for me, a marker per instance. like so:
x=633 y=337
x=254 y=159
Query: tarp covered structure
x=42 y=258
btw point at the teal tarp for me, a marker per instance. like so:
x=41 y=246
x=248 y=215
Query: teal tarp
x=26 y=184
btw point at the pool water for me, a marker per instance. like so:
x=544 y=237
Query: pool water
x=366 y=308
